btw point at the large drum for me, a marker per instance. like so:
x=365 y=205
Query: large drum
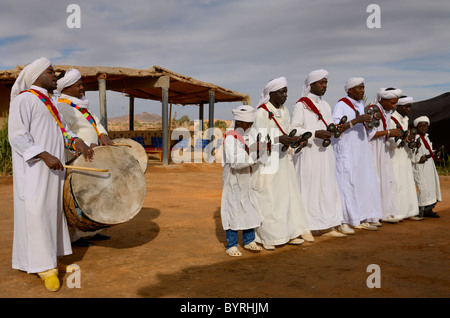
x=97 y=200
x=134 y=148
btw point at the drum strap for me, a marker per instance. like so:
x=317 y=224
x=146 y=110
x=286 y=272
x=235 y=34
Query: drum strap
x=86 y=114
x=52 y=109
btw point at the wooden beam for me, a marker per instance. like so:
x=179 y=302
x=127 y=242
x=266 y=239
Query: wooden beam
x=102 y=100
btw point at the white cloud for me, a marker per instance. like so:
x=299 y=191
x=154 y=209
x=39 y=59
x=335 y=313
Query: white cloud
x=241 y=44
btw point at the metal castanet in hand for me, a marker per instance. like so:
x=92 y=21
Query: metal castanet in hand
x=337 y=132
x=333 y=129
x=291 y=134
x=95 y=200
x=298 y=144
x=414 y=143
x=372 y=110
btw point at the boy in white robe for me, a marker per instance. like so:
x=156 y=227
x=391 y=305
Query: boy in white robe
x=386 y=99
x=73 y=105
x=315 y=164
x=37 y=139
x=355 y=172
x=274 y=181
x=401 y=154
x=239 y=207
x=425 y=174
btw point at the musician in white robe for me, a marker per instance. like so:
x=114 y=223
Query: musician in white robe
x=239 y=208
x=385 y=99
x=74 y=106
x=37 y=142
x=401 y=155
x=355 y=171
x=425 y=174
x=274 y=181
x=315 y=164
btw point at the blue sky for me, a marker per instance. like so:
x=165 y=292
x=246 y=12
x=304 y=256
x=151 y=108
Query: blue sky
x=239 y=45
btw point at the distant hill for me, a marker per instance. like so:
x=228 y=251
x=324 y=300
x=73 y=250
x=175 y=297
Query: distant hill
x=144 y=118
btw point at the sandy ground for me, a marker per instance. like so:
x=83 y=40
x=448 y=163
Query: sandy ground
x=174 y=248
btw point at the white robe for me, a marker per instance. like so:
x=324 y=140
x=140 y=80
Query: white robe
x=355 y=171
x=40 y=227
x=383 y=166
x=239 y=207
x=80 y=126
x=77 y=123
x=276 y=186
x=426 y=176
x=316 y=168
x=406 y=194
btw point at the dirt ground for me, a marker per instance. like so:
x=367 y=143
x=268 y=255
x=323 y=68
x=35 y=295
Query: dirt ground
x=174 y=248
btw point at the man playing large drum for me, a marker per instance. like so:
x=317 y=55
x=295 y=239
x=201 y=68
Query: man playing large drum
x=74 y=106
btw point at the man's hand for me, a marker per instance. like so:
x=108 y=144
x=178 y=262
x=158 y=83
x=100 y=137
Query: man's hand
x=51 y=161
x=397 y=132
x=286 y=140
x=322 y=134
x=105 y=141
x=80 y=146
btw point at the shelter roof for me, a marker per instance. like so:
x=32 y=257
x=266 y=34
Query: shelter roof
x=144 y=83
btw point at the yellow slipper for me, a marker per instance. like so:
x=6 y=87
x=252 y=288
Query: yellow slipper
x=50 y=279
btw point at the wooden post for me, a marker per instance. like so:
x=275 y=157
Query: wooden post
x=131 y=113
x=170 y=128
x=201 y=115
x=211 y=109
x=165 y=130
x=102 y=99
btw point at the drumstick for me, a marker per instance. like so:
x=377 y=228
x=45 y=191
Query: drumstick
x=125 y=145
x=85 y=168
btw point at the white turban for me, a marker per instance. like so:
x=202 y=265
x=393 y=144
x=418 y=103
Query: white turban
x=405 y=100
x=272 y=86
x=353 y=82
x=244 y=113
x=29 y=75
x=382 y=93
x=313 y=77
x=420 y=119
x=71 y=77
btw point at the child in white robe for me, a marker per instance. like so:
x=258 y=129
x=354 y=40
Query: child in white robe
x=239 y=206
x=425 y=174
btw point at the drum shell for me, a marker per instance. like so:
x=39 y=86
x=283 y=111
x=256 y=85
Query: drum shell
x=104 y=199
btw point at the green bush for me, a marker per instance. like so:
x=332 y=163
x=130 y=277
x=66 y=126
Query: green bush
x=5 y=150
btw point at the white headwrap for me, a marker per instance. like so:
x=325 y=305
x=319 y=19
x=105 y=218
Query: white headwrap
x=272 y=86
x=244 y=113
x=382 y=93
x=420 y=119
x=71 y=77
x=353 y=82
x=405 y=100
x=29 y=75
x=313 y=77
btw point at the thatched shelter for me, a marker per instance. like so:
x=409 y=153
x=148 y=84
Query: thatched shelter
x=155 y=83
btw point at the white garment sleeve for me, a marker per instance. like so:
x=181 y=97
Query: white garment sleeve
x=297 y=119
x=19 y=136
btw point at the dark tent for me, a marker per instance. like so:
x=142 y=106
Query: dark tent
x=438 y=110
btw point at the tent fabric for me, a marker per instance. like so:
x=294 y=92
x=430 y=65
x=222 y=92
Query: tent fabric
x=437 y=109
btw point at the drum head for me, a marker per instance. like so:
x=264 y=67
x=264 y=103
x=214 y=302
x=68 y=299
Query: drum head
x=136 y=150
x=111 y=197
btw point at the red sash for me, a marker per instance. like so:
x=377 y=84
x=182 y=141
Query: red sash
x=425 y=143
x=312 y=108
x=239 y=137
x=271 y=116
x=382 y=119
x=397 y=122
x=349 y=103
